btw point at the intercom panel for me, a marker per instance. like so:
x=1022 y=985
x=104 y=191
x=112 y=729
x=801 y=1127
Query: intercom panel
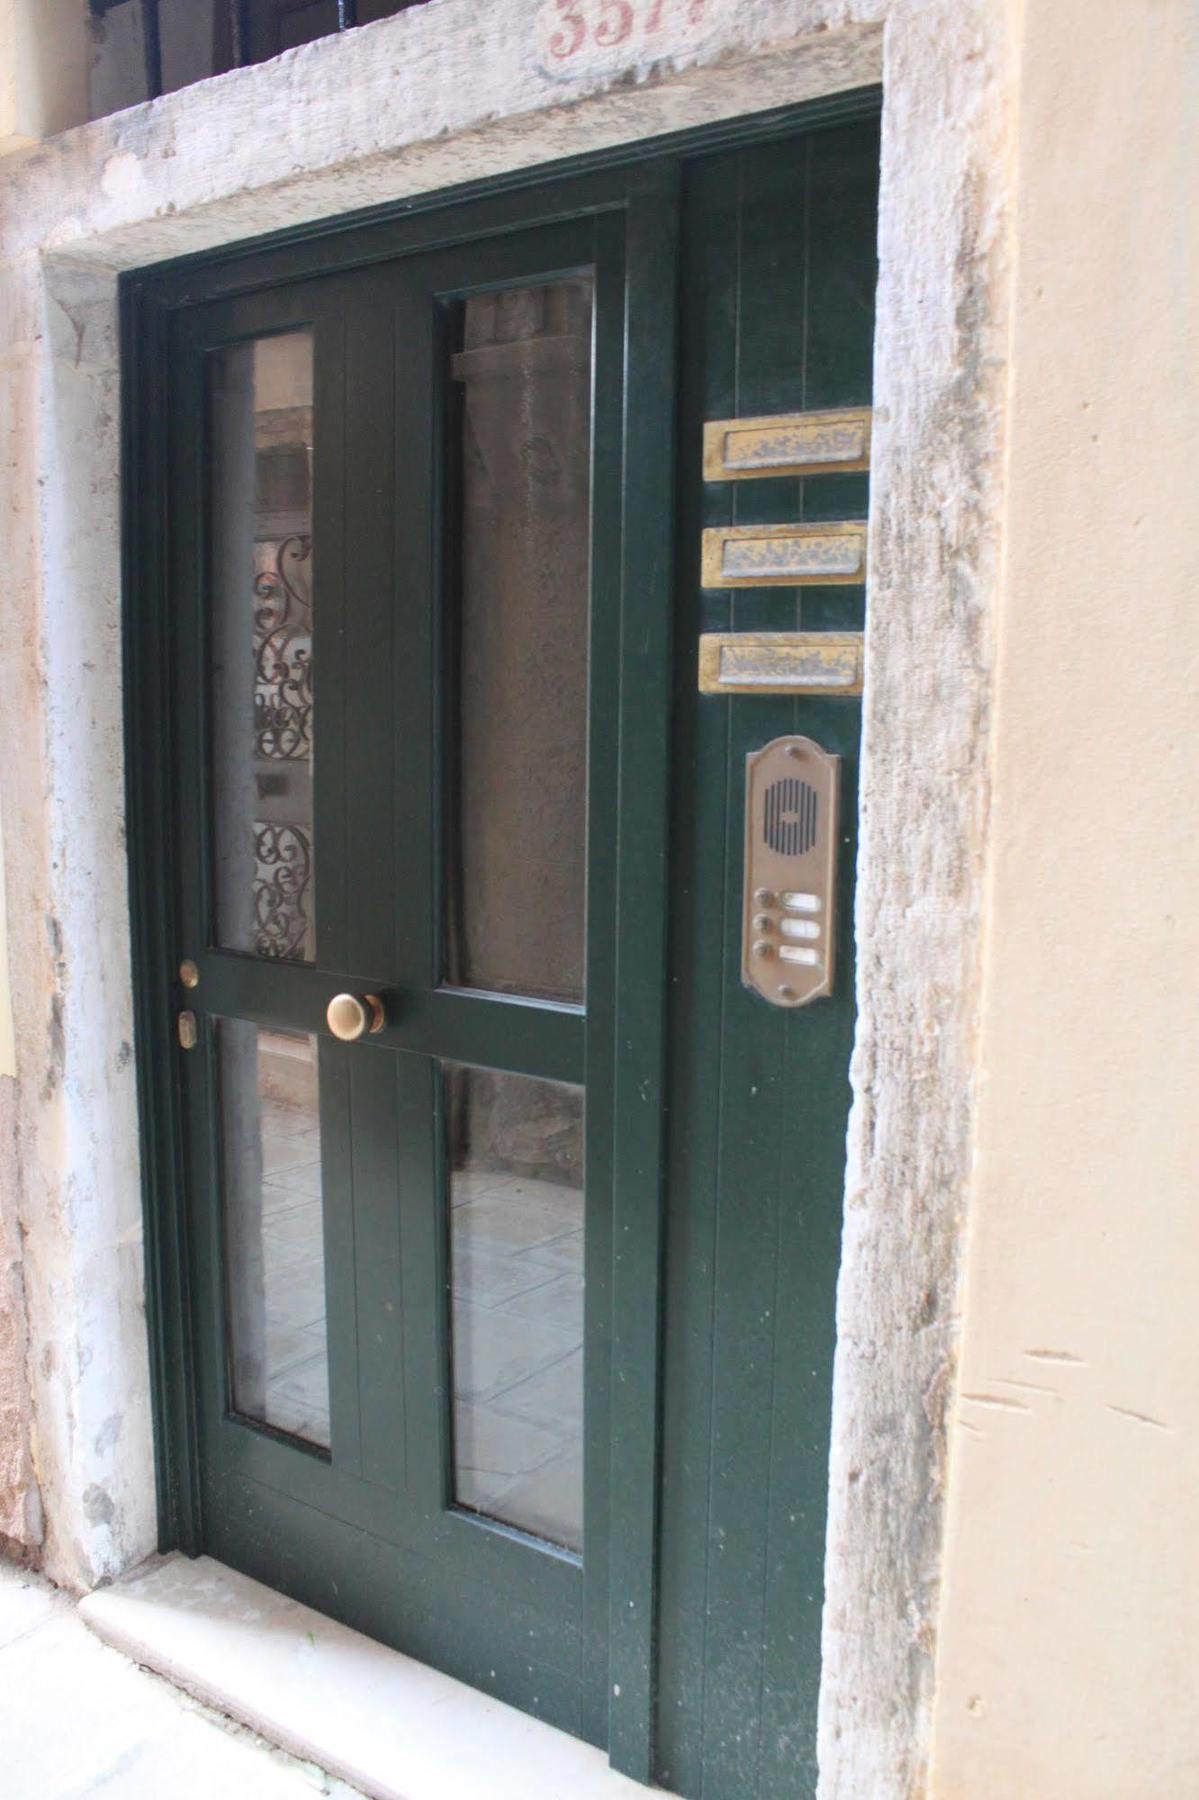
x=792 y=795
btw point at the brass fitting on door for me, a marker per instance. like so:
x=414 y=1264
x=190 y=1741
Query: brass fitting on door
x=349 y=1017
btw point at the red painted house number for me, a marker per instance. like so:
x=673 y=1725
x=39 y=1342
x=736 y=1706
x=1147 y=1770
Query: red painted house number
x=605 y=24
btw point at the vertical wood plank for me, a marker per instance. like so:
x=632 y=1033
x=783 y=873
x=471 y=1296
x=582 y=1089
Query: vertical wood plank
x=755 y=1086
x=330 y=852
x=602 y=744
x=641 y=911
x=841 y=184
x=146 y=666
x=707 y=389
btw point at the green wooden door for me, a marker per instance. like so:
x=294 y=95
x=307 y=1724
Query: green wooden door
x=495 y=1224
x=778 y=280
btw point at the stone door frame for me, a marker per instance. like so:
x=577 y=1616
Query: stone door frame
x=424 y=101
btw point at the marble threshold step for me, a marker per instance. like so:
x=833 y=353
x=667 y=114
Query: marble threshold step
x=389 y=1726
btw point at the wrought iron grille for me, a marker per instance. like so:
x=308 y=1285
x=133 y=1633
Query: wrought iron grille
x=283 y=656
x=283 y=734
x=282 y=873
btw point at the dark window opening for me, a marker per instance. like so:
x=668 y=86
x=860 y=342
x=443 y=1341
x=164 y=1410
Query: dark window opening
x=144 y=48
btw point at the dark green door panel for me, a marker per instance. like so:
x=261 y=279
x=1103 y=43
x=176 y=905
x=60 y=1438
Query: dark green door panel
x=368 y=1528
x=778 y=284
x=684 y=1638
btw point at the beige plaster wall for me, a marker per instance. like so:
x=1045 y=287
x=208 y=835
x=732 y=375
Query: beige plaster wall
x=43 y=69
x=1070 y=1609
x=8 y=1049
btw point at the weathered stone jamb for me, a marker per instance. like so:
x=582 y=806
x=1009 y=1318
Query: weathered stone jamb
x=937 y=491
x=77 y=1196
x=20 y=1496
x=129 y=191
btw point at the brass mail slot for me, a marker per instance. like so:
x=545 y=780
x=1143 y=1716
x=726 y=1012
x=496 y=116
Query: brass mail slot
x=736 y=556
x=780 y=662
x=807 y=443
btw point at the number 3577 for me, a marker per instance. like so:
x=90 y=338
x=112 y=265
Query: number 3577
x=607 y=23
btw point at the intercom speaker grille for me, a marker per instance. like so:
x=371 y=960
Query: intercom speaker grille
x=790 y=818
x=788 y=895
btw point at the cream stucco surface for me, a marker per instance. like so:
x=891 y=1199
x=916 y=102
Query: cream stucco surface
x=1071 y=1595
x=8 y=1049
x=43 y=69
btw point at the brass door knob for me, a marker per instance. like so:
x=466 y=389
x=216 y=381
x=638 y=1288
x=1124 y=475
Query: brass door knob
x=349 y=1017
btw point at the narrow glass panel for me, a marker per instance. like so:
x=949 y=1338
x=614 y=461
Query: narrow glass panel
x=516 y=830
x=274 y=1244
x=515 y=1157
x=261 y=645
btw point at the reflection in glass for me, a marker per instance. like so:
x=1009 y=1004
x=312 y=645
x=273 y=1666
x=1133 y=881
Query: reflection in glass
x=515 y=1160
x=261 y=644
x=274 y=1243
x=516 y=826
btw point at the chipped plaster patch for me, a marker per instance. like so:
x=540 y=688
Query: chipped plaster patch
x=123 y=177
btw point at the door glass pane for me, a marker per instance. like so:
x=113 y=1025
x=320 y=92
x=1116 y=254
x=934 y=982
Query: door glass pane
x=516 y=830
x=515 y=1160
x=273 y=1218
x=261 y=645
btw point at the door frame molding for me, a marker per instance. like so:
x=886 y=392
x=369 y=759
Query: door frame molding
x=644 y=185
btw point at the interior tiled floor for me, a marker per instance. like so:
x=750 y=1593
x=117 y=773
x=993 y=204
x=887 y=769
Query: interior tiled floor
x=518 y=1350
x=517 y=1264
x=297 y=1386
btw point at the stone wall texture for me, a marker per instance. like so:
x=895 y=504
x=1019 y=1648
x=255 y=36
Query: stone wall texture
x=20 y=1500
x=1070 y=1578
